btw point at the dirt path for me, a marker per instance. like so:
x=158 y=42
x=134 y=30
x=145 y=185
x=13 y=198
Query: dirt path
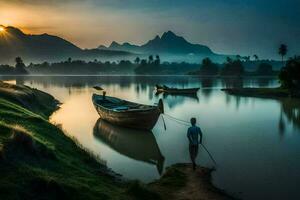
x=189 y=184
x=198 y=186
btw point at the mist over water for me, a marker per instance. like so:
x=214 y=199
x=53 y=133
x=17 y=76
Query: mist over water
x=254 y=141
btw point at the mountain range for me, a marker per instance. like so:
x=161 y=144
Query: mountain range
x=50 y=48
x=44 y=47
x=168 y=43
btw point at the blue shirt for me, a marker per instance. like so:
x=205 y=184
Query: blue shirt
x=193 y=134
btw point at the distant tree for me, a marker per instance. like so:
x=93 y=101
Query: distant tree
x=150 y=59
x=208 y=67
x=125 y=63
x=20 y=66
x=6 y=69
x=264 y=69
x=157 y=60
x=69 y=60
x=238 y=57
x=232 y=68
x=290 y=74
x=246 y=58
x=143 y=62
x=255 y=57
x=137 y=60
x=282 y=51
x=228 y=59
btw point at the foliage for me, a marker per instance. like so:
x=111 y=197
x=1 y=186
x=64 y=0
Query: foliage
x=264 y=69
x=20 y=66
x=154 y=66
x=208 y=67
x=232 y=68
x=82 y=67
x=290 y=74
x=7 y=70
x=282 y=50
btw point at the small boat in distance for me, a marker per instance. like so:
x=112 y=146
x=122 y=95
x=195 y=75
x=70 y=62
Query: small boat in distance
x=125 y=113
x=165 y=89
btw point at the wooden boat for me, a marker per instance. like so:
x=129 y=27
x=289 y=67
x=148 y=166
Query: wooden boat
x=139 y=145
x=169 y=90
x=125 y=113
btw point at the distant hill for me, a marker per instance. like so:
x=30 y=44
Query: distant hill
x=44 y=47
x=168 y=43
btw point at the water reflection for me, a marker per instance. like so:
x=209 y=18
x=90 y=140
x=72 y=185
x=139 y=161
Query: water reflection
x=290 y=114
x=255 y=141
x=136 y=144
x=174 y=100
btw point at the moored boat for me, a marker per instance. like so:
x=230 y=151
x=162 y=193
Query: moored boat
x=169 y=90
x=125 y=113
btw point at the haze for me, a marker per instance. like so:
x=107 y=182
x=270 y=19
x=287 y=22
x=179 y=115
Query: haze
x=231 y=27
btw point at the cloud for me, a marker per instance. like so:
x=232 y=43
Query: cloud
x=228 y=26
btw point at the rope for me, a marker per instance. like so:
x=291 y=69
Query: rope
x=180 y=121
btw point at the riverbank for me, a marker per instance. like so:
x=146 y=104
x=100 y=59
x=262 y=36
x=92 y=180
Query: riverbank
x=263 y=92
x=37 y=161
x=180 y=182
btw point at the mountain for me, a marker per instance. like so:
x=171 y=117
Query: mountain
x=44 y=47
x=168 y=43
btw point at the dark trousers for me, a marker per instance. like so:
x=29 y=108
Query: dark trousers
x=193 y=152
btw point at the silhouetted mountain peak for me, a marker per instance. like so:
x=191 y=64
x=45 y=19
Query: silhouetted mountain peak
x=114 y=44
x=14 y=31
x=168 y=34
x=157 y=37
x=169 y=43
x=43 y=47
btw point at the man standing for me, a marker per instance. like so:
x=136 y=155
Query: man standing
x=193 y=134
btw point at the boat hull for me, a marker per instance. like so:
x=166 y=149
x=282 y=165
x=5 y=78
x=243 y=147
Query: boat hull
x=161 y=89
x=137 y=119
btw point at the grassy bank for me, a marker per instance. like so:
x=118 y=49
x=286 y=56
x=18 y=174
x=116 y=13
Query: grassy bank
x=263 y=92
x=37 y=161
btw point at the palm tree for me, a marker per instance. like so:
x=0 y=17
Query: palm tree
x=282 y=51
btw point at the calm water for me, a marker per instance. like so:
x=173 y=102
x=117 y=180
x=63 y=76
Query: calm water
x=256 y=142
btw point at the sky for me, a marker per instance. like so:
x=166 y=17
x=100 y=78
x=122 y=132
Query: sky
x=244 y=27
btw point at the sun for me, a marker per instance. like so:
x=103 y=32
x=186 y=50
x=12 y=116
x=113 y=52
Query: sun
x=2 y=29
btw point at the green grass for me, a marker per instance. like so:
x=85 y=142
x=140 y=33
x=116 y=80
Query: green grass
x=37 y=161
x=173 y=178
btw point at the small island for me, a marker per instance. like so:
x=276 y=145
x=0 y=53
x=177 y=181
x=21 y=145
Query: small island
x=289 y=77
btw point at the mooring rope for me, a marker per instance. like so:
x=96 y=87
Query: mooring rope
x=180 y=121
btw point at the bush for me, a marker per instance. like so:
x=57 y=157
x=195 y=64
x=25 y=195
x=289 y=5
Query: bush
x=290 y=74
x=264 y=69
x=208 y=67
x=233 y=68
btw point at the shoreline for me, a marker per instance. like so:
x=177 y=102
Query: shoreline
x=181 y=182
x=39 y=156
x=270 y=93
